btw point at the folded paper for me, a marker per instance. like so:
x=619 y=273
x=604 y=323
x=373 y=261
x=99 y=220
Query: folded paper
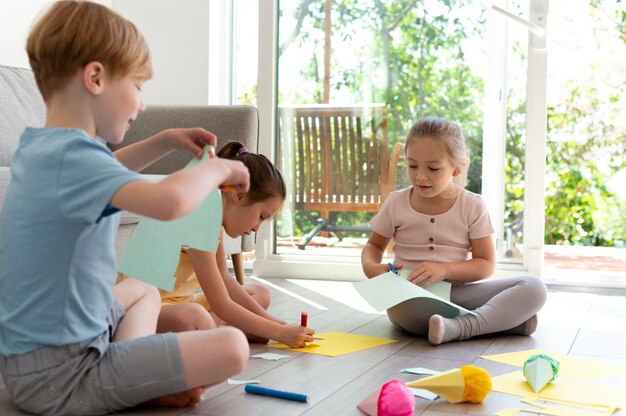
x=153 y=250
x=369 y=405
x=389 y=289
x=465 y=384
x=539 y=370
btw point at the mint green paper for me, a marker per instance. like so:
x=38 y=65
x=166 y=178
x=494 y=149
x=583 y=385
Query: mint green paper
x=539 y=370
x=153 y=250
x=441 y=289
x=388 y=289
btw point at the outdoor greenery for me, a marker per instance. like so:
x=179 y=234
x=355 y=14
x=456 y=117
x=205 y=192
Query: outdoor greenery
x=419 y=57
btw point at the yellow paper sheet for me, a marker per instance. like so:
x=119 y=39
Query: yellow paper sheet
x=338 y=343
x=552 y=410
x=535 y=400
x=548 y=411
x=574 y=392
x=580 y=368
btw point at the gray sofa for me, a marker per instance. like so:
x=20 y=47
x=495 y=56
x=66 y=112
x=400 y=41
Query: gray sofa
x=21 y=105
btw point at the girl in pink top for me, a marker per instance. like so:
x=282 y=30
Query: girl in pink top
x=443 y=232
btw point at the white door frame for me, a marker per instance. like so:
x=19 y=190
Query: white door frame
x=494 y=140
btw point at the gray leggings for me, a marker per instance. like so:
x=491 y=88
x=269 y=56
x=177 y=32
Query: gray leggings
x=500 y=304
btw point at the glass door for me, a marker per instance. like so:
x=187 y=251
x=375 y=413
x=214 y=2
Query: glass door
x=338 y=89
x=585 y=230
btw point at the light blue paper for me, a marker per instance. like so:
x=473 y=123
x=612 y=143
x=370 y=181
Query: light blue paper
x=270 y=356
x=153 y=250
x=420 y=371
x=388 y=289
x=423 y=394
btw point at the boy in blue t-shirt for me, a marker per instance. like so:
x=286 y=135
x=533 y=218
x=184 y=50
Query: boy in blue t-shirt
x=70 y=343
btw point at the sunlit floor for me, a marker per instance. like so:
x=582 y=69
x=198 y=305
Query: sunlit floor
x=585 y=325
x=568 y=266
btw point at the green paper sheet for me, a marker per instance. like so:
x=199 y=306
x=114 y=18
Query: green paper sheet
x=153 y=250
x=389 y=289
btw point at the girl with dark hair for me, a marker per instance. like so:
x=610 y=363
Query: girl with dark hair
x=222 y=300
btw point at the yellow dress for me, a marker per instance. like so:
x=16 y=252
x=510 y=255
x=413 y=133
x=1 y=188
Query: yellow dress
x=186 y=287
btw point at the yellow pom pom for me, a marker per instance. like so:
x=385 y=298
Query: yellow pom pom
x=477 y=383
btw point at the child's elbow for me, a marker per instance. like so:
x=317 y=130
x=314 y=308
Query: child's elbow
x=490 y=267
x=172 y=206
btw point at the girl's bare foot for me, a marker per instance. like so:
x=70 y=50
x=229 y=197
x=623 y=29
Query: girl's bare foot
x=187 y=398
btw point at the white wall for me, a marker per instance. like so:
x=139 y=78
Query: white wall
x=16 y=19
x=177 y=32
x=178 y=35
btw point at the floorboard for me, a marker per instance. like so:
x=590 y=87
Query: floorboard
x=582 y=324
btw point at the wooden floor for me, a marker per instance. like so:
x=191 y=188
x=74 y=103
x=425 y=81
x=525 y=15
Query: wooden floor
x=581 y=324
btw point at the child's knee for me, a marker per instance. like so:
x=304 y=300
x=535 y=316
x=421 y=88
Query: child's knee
x=196 y=317
x=260 y=293
x=237 y=347
x=152 y=293
x=536 y=291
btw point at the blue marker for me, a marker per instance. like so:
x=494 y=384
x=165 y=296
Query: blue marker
x=392 y=269
x=264 y=391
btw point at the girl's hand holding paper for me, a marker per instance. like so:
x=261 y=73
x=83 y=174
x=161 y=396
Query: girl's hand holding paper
x=427 y=273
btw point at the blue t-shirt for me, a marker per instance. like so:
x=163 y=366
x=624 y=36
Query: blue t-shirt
x=57 y=233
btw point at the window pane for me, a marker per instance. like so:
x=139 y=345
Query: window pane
x=585 y=194
x=351 y=81
x=246 y=52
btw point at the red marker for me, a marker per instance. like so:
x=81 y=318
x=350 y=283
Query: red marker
x=227 y=188
x=304 y=316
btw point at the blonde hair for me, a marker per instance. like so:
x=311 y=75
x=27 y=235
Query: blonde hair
x=73 y=33
x=449 y=137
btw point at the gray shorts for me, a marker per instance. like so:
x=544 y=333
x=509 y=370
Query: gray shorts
x=95 y=377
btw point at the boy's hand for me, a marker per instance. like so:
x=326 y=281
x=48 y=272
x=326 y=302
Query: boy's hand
x=427 y=273
x=237 y=174
x=191 y=139
x=296 y=336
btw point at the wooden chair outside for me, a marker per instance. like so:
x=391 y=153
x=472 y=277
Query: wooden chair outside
x=340 y=162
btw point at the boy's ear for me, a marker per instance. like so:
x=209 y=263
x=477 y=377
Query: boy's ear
x=93 y=77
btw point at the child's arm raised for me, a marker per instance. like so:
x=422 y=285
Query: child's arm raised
x=142 y=154
x=481 y=265
x=372 y=255
x=182 y=191
x=207 y=272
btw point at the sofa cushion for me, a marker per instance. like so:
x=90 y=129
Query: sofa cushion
x=21 y=105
